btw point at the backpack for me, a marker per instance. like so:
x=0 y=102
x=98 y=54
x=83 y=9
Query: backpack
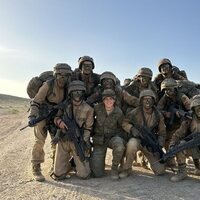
x=36 y=82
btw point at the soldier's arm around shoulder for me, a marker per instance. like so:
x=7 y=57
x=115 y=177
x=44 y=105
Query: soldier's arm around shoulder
x=129 y=99
x=127 y=121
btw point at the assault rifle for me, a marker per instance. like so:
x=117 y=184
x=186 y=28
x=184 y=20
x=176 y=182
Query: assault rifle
x=49 y=116
x=192 y=141
x=74 y=134
x=173 y=109
x=149 y=140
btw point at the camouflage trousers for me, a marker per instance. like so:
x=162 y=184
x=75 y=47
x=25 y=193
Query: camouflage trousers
x=132 y=147
x=40 y=133
x=64 y=151
x=97 y=161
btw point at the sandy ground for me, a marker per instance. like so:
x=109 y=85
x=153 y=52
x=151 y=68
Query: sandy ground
x=16 y=180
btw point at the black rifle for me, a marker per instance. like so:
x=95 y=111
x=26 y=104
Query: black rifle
x=192 y=141
x=149 y=140
x=74 y=134
x=49 y=116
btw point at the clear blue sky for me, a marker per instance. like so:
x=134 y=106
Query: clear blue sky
x=121 y=36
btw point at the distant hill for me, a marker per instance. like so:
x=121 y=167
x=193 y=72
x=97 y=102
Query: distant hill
x=13 y=105
x=13 y=99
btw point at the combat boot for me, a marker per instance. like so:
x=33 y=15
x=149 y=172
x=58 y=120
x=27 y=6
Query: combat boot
x=197 y=167
x=197 y=172
x=181 y=174
x=125 y=173
x=37 y=173
x=114 y=173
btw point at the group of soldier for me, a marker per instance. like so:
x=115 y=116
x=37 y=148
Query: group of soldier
x=111 y=116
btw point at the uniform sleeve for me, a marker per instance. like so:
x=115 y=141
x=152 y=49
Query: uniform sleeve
x=39 y=99
x=181 y=132
x=126 y=124
x=161 y=131
x=88 y=124
x=186 y=101
x=130 y=100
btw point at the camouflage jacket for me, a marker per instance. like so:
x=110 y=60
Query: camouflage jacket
x=107 y=125
x=83 y=115
x=187 y=126
x=134 y=88
x=50 y=94
x=166 y=104
x=121 y=95
x=91 y=81
x=153 y=121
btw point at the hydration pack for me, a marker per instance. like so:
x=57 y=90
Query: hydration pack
x=36 y=82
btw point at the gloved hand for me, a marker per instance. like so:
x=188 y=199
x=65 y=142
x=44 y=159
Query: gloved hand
x=88 y=145
x=56 y=139
x=171 y=147
x=134 y=132
x=32 y=121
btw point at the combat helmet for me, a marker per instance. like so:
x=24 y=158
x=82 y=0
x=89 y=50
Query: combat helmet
x=76 y=86
x=164 y=61
x=168 y=83
x=147 y=92
x=109 y=75
x=108 y=93
x=62 y=68
x=146 y=72
x=195 y=101
x=85 y=58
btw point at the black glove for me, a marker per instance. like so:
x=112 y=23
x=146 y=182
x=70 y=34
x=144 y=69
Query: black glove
x=56 y=139
x=171 y=147
x=88 y=145
x=32 y=121
x=134 y=132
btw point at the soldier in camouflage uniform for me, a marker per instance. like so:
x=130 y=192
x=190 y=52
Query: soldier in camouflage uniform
x=144 y=115
x=82 y=113
x=107 y=133
x=165 y=69
x=50 y=94
x=141 y=82
x=108 y=81
x=187 y=126
x=85 y=73
x=171 y=99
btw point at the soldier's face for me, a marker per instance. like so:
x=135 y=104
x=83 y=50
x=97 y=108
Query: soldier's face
x=197 y=111
x=165 y=70
x=77 y=95
x=170 y=92
x=109 y=102
x=87 y=67
x=108 y=83
x=144 y=81
x=147 y=102
x=63 y=79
